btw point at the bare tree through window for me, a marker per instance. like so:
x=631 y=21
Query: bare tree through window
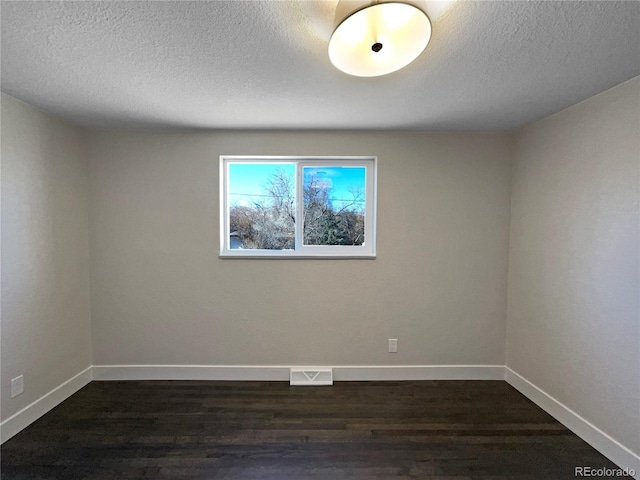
x=331 y=216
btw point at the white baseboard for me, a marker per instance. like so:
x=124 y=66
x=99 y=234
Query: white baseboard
x=190 y=372
x=281 y=373
x=419 y=372
x=29 y=414
x=608 y=446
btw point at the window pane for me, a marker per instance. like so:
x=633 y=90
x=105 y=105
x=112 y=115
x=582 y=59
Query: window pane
x=334 y=205
x=262 y=206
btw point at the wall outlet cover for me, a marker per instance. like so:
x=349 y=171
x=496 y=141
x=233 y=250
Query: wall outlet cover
x=17 y=386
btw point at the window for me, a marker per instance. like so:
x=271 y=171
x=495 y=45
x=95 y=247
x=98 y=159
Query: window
x=297 y=207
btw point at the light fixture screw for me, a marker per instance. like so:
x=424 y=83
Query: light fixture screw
x=376 y=47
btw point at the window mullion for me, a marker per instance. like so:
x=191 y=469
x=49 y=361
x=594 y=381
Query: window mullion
x=299 y=208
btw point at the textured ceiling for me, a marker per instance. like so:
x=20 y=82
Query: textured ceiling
x=264 y=64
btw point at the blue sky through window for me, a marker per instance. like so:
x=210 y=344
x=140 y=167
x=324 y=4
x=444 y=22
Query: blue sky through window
x=247 y=182
x=346 y=184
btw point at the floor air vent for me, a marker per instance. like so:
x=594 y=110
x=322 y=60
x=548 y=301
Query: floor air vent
x=311 y=376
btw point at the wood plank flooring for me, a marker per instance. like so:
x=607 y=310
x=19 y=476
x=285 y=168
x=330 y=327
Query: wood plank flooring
x=453 y=430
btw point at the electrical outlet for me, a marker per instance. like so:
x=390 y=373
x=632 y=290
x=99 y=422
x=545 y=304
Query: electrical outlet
x=393 y=345
x=17 y=386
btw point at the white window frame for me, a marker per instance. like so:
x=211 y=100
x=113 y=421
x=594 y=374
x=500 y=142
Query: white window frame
x=367 y=250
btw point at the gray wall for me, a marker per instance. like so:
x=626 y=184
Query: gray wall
x=161 y=295
x=573 y=318
x=45 y=256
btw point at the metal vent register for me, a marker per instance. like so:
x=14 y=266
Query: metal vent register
x=311 y=376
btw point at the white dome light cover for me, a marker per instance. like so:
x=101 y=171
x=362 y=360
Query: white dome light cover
x=379 y=39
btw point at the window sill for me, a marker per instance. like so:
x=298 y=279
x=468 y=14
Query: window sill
x=296 y=257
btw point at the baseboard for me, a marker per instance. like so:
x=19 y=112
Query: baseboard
x=281 y=373
x=608 y=446
x=191 y=372
x=29 y=414
x=418 y=372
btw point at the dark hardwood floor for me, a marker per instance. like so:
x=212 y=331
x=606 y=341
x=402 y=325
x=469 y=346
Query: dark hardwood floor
x=454 y=430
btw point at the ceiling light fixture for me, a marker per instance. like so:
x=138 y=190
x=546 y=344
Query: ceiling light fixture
x=376 y=38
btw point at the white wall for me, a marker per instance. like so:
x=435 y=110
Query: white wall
x=45 y=256
x=573 y=317
x=161 y=295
